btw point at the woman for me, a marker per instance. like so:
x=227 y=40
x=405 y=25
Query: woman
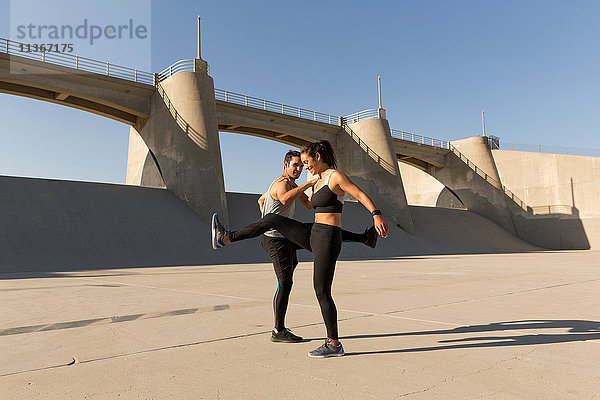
x=324 y=238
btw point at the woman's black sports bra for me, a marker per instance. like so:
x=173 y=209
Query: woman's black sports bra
x=325 y=201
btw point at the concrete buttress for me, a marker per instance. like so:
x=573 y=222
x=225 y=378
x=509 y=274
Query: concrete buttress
x=182 y=139
x=480 y=194
x=366 y=154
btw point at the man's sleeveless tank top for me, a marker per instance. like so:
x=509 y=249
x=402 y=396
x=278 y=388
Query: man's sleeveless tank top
x=276 y=207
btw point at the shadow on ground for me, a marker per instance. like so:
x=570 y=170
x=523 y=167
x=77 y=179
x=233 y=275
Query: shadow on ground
x=577 y=331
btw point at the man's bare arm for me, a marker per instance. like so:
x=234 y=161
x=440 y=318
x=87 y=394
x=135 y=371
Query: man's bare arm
x=261 y=201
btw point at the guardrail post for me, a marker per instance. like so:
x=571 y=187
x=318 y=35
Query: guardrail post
x=135 y=74
x=246 y=100
x=226 y=96
x=107 y=69
x=315 y=116
x=265 y=105
x=282 y=109
x=171 y=70
x=43 y=56
x=6 y=46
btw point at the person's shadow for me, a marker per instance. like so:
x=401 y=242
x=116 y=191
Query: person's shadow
x=578 y=331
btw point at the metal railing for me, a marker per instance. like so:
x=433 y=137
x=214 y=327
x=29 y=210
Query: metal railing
x=76 y=62
x=493 y=142
x=552 y=149
x=268 y=105
x=411 y=137
x=553 y=209
x=179 y=66
x=360 y=115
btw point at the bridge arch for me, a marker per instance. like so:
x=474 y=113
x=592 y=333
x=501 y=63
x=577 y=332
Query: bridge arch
x=43 y=140
x=111 y=97
x=424 y=189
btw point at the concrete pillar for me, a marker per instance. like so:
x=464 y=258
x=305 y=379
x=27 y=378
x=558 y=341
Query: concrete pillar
x=141 y=166
x=365 y=153
x=481 y=192
x=477 y=150
x=182 y=134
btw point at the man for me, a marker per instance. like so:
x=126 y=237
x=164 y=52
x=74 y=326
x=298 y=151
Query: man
x=280 y=199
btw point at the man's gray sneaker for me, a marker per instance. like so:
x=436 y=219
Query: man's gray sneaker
x=327 y=350
x=218 y=232
x=285 y=336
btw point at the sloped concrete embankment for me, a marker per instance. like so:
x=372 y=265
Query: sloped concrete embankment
x=50 y=225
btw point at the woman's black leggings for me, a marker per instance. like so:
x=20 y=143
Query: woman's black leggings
x=325 y=242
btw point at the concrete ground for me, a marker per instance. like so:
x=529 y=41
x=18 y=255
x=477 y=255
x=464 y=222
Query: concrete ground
x=508 y=326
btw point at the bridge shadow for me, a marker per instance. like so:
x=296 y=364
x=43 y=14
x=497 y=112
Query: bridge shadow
x=577 y=331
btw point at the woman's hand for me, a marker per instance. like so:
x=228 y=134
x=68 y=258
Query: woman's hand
x=381 y=226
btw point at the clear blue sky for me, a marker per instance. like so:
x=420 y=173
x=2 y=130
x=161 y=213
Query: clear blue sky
x=532 y=65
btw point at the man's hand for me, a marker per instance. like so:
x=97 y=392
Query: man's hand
x=286 y=179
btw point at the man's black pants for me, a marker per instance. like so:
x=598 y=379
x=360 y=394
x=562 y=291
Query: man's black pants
x=283 y=255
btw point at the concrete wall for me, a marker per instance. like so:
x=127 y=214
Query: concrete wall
x=562 y=190
x=541 y=179
x=50 y=225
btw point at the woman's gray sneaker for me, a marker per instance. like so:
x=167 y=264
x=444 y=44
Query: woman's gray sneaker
x=327 y=350
x=285 y=336
x=218 y=232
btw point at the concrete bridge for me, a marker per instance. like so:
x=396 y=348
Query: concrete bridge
x=175 y=117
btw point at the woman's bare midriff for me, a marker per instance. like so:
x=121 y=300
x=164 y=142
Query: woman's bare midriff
x=334 y=219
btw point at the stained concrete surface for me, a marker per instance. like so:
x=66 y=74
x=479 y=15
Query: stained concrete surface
x=497 y=326
x=52 y=225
